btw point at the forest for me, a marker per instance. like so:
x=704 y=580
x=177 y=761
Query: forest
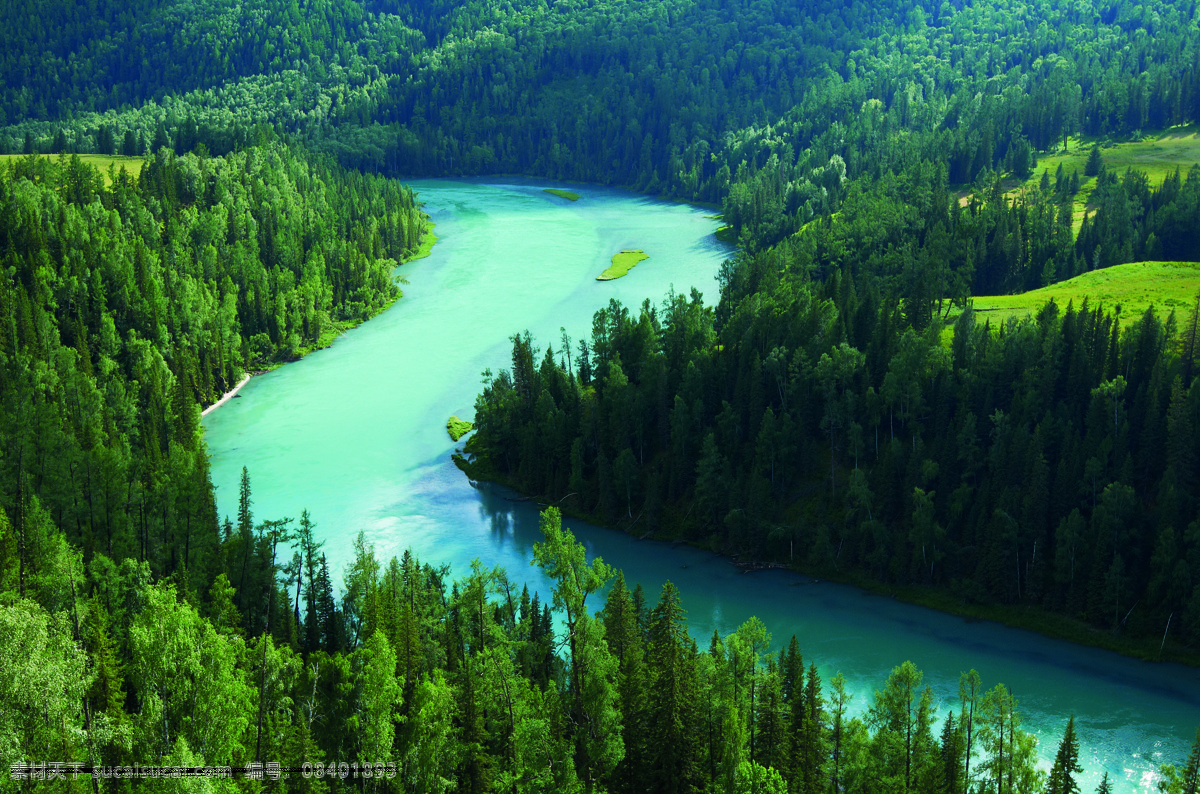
x=840 y=408
x=827 y=423
x=429 y=683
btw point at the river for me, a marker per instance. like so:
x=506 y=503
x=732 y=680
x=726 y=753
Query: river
x=356 y=434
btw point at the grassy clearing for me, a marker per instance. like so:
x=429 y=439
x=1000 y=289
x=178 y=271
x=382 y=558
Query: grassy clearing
x=622 y=263
x=567 y=194
x=457 y=428
x=1156 y=154
x=1134 y=287
x=100 y=162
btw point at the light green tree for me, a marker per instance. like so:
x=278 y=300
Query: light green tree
x=592 y=669
x=187 y=681
x=902 y=716
x=43 y=678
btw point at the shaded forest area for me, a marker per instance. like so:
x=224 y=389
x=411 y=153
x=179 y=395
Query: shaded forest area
x=766 y=107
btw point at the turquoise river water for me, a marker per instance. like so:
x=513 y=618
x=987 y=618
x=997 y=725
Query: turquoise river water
x=356 y=434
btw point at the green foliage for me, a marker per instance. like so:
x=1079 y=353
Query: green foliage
x=457 y=428
x=132 y=299
x=43 y=678
x=805 y=386
x=454 y=704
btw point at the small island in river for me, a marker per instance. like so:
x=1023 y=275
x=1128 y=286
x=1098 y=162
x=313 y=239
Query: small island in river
x=622 y=263
x=568 y=195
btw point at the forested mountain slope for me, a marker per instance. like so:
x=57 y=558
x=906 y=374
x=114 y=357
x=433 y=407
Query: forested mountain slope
x=128 y=307
x=753 y=104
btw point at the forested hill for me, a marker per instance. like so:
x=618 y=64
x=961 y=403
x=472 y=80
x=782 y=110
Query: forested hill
x=126 y=307
x=838 y=411
x=759 y=105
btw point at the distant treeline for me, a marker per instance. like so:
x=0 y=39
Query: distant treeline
x=749 y=104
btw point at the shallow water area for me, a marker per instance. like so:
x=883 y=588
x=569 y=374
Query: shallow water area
x=356 y=434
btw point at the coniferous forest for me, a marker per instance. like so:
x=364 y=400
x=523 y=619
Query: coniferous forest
x=840 y=407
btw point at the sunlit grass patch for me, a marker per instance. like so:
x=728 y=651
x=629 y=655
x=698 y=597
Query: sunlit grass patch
x=1133 y=287
x=622 y=263
x=101 y=162
x=1156 y=154
x=457 y=428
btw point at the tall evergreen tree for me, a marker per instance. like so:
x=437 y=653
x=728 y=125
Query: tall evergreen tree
x=1066 y=763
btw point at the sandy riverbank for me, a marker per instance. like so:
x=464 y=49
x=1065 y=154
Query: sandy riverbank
x=229 y=395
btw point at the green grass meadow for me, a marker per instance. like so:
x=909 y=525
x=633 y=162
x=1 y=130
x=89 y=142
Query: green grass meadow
x=99 y=161
x=1134 y=287
x=1157 y=155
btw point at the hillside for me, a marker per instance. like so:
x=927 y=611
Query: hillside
x=1156 y=154
x=1130 y=288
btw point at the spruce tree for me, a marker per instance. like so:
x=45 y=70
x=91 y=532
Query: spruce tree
x=670 y=728
x=1066 y=763
x=812 y=735
x=1095 y=163
x=1191 y=773
x=624 y=638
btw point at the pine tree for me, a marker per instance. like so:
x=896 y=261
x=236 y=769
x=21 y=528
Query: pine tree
x=1066 y=763
x=670 y=728
x=591 y=666
x=245 y=526
x=1095 y=163
x=105 y=144
x=221 y=610
x=105 y=695
x=952 y=749
x=812 y=748
x=1191 y=773
x=624 y=638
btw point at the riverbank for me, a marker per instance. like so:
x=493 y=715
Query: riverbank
x=1029 y=618
x=328 y=337
x=226 y=397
